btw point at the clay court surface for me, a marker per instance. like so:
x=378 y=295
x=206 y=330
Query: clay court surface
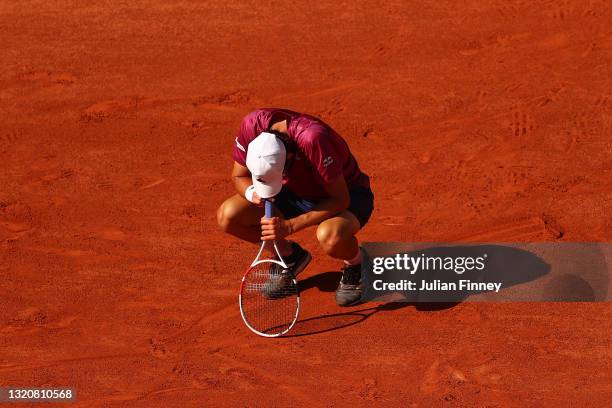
x=489 y=121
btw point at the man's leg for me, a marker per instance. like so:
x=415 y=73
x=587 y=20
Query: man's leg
x=337 y=238
x=239 y=217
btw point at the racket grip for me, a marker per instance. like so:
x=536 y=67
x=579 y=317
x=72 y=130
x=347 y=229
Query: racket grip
x=268 y=209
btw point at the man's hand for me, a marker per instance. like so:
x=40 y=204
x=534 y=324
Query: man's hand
x=257 y=200
x=275 y=228
x=251 y=195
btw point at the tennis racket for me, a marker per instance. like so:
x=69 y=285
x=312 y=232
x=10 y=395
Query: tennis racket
x=269 y=296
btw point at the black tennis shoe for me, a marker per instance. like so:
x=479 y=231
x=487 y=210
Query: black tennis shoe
x=277 y=285
x=351 y=286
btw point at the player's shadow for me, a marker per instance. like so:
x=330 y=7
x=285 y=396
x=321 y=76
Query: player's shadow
x=328 y=282
x=508 y=265
x=325 y=282
x=503 y=264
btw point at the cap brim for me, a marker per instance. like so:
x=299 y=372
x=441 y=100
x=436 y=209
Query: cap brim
x=267 y=190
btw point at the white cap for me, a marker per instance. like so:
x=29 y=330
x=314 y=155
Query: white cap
x=265 y=160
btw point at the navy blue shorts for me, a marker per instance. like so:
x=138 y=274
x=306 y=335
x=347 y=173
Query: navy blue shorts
x=362 y=204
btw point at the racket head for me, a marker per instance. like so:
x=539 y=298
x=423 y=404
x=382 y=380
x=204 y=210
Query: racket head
x=269 y=299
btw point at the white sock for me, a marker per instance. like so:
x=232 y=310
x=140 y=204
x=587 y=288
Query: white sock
x=356 y=260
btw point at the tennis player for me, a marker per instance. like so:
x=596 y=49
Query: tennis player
x=308 y=171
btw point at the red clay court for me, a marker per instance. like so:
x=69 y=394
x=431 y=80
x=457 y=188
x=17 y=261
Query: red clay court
x=486 y=121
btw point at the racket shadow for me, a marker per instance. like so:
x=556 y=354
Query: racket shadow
x=330 y=322
x=327 y=282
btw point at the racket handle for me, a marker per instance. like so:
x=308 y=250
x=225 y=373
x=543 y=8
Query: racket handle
x=268 y=209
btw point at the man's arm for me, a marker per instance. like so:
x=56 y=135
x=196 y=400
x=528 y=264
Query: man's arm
x=338 y=201
x=241 y=176
x=331 y=206
x=242 y=180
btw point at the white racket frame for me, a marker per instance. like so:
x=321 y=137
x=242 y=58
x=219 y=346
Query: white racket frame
x=282 y=263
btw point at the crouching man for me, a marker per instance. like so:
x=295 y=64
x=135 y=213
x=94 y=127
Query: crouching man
x=310 y=174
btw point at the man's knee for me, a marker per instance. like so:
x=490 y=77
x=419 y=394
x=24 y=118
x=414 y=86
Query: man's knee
x=227 y=215
x=222 y=218
x=330 y=235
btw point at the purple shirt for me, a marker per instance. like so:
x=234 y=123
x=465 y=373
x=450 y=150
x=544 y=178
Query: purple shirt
x=322 y=154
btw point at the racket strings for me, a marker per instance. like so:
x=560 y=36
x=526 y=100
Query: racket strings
x=269 y=298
